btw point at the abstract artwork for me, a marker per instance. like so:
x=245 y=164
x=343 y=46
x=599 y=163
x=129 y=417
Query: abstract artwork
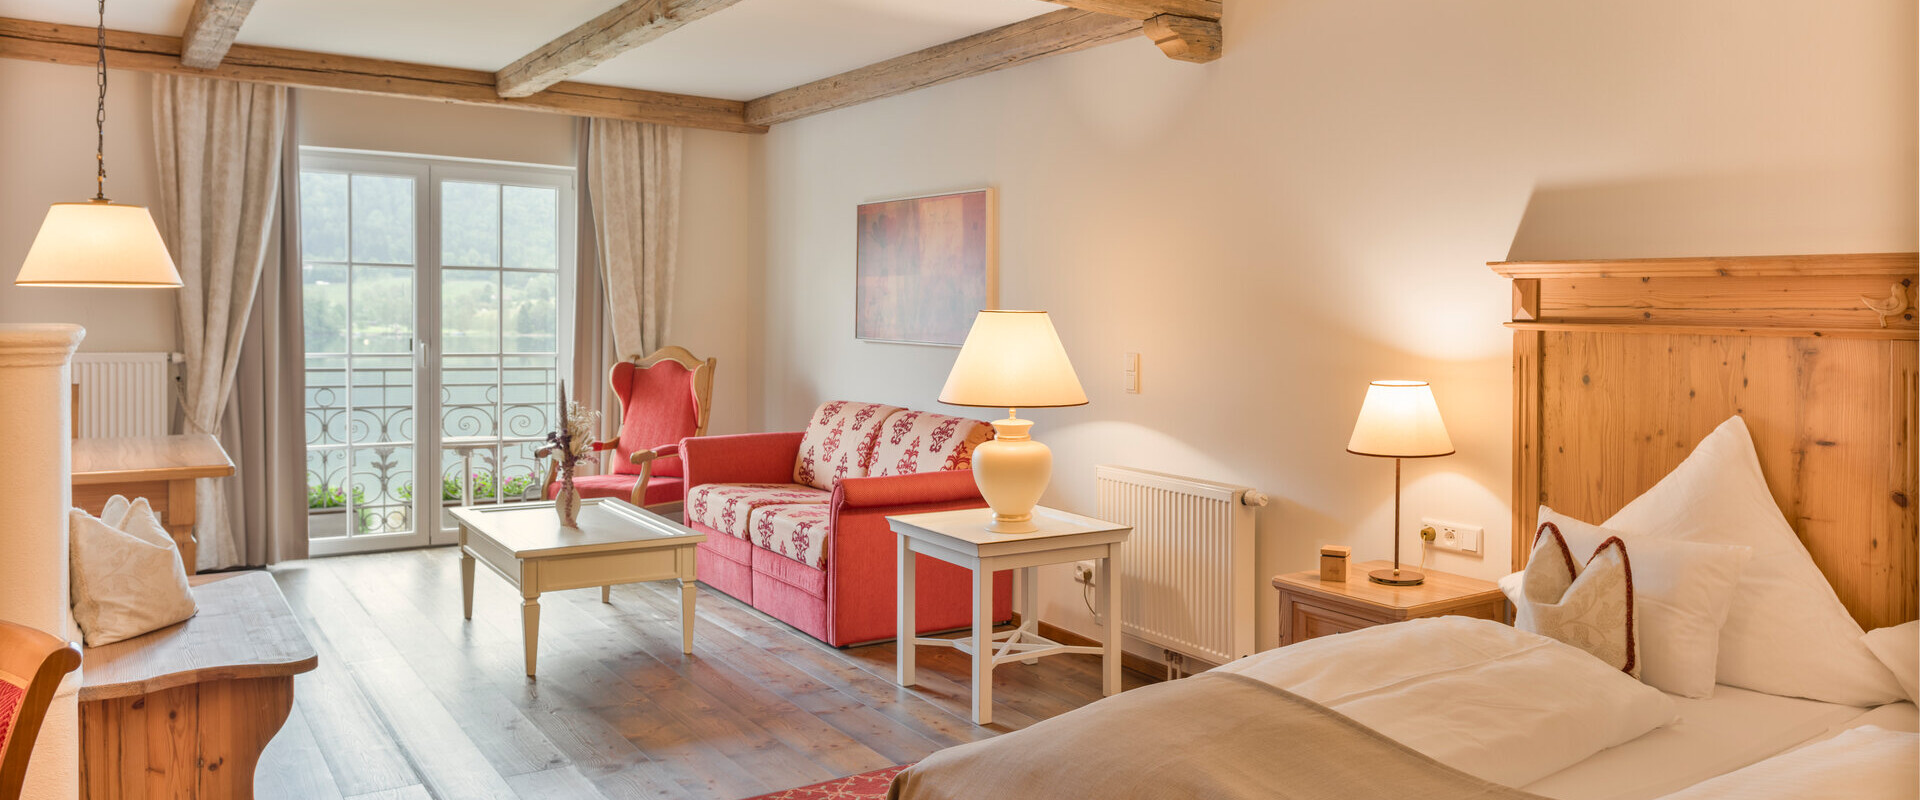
x=924 y=267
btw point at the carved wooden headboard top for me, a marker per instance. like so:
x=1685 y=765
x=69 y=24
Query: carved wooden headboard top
x=1620 y=367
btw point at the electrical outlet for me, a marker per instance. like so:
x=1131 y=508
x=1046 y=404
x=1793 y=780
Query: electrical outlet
x=1131 y=372
x=1083 y=572
x=1455 y=536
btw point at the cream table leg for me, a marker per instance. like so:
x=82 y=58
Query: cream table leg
x=466 y=583
x=904 y=625
x=606 y=594
x=530 y=629
x=1029 y=580
x=686 y=615
x=982 y=644
x=1110 y=606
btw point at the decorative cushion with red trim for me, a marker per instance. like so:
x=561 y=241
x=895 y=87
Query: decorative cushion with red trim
x=12 y=696
x=728 y=507
x=912 y=442
x=798 y=532
x=839 y=442
x=1588 y=606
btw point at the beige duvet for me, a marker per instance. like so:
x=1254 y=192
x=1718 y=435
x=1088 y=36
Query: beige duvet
x=1214 y=735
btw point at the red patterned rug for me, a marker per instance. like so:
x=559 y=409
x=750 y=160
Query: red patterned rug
x=864 y=786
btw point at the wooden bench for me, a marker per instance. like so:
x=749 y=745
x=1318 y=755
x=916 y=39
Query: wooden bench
x=185 y=711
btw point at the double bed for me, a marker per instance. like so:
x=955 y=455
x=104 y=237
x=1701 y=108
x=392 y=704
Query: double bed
x=1620 y=369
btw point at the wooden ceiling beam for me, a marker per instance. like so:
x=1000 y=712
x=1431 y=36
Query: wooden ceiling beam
x=626 y=26
x=1028 y=40
x=1186 y=30
x=210 y=29
x=65 y=44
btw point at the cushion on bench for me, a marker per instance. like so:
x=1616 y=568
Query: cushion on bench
x=839 y=442
x=912 y=442
x=728 y=507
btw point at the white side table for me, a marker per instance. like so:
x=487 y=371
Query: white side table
x=961 y=537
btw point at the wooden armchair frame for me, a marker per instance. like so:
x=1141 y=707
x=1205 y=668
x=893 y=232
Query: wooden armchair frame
x=702 y=370
x=43 y=660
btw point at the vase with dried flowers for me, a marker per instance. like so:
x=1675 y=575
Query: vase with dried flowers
x=569 y=446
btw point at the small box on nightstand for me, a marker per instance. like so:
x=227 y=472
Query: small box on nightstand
x=1333 y=562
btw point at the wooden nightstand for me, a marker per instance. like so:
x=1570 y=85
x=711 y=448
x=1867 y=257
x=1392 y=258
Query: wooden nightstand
x=1310 y=607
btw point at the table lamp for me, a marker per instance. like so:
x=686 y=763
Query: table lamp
x=1399 y=420
x=1012 y=360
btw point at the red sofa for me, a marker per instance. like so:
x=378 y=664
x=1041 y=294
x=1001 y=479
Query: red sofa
x=796 y=522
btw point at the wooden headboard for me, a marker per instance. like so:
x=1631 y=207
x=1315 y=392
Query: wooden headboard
x=1620 y=367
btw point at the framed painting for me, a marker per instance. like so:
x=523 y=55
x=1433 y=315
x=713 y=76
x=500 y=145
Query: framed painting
x=924 y=266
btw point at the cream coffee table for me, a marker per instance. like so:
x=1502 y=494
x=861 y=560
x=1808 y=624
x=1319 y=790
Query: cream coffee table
x=961 y=537
x=615 y=543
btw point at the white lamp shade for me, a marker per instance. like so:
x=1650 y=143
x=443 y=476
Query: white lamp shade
x=98 y=244
x=1400 y=420
x=1012 y=359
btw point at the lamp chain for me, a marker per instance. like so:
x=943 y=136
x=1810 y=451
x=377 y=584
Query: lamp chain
x=100 y=113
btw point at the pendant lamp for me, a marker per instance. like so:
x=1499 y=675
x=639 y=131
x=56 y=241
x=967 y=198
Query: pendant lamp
x=99 y=243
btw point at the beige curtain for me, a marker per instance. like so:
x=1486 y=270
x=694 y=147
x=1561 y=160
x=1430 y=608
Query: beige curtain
x=264 y=428
x=593 y=350
x=633 y=179
x=219 y=145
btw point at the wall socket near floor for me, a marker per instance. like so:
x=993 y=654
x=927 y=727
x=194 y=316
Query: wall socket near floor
x=1454 y=536
x=1083 y=572
x=1131 y=372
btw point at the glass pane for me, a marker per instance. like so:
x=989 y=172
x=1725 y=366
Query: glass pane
x=326 y=492
x=323 y=216
x=323 y=301
x=326 y=409
x=382 y=489
x=532 y=310
x=470 y=310
x=382 y=310
x=381 y=399
x=382 y=219
x=469 y=397
x=531 y=235
x=527 y=396
x=469 y=224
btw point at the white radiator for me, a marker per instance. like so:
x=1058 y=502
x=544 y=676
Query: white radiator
x=122 y=394
x=1188 y=567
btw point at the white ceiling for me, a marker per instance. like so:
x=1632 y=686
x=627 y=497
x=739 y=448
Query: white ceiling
x=753 y=48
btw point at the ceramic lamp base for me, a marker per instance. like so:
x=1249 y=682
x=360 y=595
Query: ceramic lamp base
x=1396 y=577
x=1012 y=471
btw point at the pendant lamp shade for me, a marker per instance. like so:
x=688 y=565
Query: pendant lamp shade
x=98 y=244
x=1013 y=359
x=1400 y=420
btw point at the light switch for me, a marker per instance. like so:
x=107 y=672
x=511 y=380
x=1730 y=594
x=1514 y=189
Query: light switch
x=1133 y=373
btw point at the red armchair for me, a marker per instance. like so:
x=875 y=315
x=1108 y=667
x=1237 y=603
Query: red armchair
x=796 y=522
x=664 y=397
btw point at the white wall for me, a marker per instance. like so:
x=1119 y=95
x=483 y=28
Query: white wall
x=46 y=156
x=1316 y=210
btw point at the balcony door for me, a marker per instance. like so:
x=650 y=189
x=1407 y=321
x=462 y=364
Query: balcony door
x=435 y=293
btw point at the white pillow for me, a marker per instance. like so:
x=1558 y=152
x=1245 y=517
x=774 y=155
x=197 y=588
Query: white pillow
x=1898 y=647
x=127 y=577
x=1484 y=698
x=1865 y=762
x=1682 y=592
x=1787 y=633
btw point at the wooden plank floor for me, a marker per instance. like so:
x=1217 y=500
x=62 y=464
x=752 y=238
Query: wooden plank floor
x=411 y=701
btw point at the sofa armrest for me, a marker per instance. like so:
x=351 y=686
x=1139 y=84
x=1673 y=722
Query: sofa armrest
x=944 y=486
x=741 y=458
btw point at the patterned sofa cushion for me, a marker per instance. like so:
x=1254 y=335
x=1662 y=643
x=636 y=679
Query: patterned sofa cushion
x=839 y=442
x=728 y=507
x=915 y=441
x=798 y=532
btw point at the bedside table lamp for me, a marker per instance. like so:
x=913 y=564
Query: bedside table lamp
x=1012 y=360
x=1399 y=420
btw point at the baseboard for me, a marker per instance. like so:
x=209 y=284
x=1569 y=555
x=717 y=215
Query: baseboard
x=1147 y=668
